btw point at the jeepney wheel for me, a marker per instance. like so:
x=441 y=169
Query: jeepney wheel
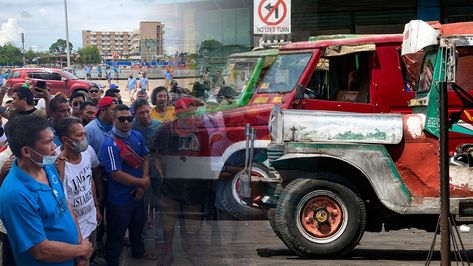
x=231 y=200
x=320 y=216
x=272 y=221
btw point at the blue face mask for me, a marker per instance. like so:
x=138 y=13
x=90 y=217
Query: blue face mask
x=47 y=159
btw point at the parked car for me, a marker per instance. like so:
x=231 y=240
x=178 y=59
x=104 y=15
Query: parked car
x=57 y=80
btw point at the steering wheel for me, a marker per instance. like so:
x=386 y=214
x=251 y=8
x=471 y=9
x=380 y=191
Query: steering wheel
x=312 y=94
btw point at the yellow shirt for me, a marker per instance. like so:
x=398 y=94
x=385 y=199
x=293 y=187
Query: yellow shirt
x=167 y=116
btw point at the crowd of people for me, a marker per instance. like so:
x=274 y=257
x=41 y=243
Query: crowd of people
x=69 y=165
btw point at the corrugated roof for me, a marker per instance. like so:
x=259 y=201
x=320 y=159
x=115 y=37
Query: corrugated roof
x=457 y=29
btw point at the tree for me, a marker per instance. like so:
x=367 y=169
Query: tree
x=89 y=55
x=10 y=55
x=30 y=56
x=208 y=46
x=59 y=47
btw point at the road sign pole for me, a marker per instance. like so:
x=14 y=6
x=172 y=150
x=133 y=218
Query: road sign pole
x=444 y=178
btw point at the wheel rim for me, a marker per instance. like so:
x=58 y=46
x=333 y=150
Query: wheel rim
x=255 y=171
x=322 y=216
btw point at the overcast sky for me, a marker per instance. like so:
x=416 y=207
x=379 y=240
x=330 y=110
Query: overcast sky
x=43 y=21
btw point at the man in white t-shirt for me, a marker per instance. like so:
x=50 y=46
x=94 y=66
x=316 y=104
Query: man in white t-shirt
x=79 y=166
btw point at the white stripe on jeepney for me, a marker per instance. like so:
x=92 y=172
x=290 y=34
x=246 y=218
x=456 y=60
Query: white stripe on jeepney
x=195 y=167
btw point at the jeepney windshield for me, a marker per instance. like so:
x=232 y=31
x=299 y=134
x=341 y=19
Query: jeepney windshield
x=237 y=72
x=284 y=73
x=463 y=74
x=427 y=71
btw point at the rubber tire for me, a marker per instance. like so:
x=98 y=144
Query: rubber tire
x=286 y=216
x=234 y=207
x=272 y=221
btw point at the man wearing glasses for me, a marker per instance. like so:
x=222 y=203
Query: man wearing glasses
x=75 y=100
x=124 y=156
x=94 y=94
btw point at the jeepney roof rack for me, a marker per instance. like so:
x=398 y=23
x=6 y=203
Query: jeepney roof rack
x=273 y=41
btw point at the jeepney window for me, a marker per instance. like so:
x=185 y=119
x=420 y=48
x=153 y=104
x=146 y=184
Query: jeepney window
x=237 y=73
x=464 y=75
x=284 y=73
x=343 y=78
x=427 y=71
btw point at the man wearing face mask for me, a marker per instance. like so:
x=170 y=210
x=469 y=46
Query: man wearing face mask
x=124 y=157
x=41 y=225
x=79 y=169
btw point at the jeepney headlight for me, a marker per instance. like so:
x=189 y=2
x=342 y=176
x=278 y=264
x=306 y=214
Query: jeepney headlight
x=276 y=125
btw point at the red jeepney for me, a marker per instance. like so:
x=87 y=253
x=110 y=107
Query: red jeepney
x=352 y=73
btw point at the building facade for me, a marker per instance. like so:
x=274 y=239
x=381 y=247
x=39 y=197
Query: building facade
x=146 y=43
x=151 y=40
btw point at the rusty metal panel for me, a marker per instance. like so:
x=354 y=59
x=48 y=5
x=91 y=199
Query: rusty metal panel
x=342 y=127
x=372 y=160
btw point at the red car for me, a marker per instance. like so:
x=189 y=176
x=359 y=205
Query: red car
x=57 y=80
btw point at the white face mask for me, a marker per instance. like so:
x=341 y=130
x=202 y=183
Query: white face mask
x=47 y=159
x=78 y=146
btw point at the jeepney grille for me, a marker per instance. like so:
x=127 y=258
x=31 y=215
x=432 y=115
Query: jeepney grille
x=274 y=155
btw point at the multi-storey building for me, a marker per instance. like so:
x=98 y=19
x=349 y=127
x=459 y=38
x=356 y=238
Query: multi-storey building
x=151 y=40
x=146 y=43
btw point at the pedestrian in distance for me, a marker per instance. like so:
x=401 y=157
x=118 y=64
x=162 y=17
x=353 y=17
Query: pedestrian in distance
x=88 y=72
x=99 y=72
x=108 y=75
x=144 y=82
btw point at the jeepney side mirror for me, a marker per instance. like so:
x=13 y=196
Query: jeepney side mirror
x=300 y=92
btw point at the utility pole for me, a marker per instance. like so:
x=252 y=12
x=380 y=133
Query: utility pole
x=68 y=53
x=23 y=48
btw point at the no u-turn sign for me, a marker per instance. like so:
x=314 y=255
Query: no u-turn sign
x=272 y=16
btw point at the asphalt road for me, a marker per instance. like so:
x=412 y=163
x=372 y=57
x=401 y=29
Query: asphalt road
x=254 y=243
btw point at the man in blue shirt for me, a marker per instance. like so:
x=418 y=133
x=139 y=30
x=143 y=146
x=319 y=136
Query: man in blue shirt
x=88 y=72
x=1 y=78
x=99 y=71
x=115 y=71
x=100 y=127
x=131 y=86
x=41 y=226
x=128 y=177
x=144 y=83
x=167 y=77
x=108 y=75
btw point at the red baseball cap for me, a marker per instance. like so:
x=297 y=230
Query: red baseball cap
x=184 y=103
x=105 y=101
